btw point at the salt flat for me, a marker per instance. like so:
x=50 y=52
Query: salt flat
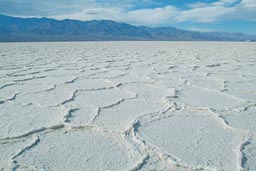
x=128 y=106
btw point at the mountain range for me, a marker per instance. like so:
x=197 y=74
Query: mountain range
x=15 y=29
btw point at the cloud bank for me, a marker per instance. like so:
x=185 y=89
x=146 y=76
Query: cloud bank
x=133 y=12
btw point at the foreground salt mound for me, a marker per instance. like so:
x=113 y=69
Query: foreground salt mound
x=149 y=92
x=207 y=98
x=10 y=149
x=49 y=79
x=82 y=115
x=99 y=98
x=244 y=119
x=196 y=138
x=207 y=83
x=10 y=91
x=249 y=96
x=242 y=86
x=132 y=77
x=153 y=164
x=121 y=116
x=108 y=74
x=248 y=148
x=89 y=84
x=48 y=98
x=17 y=120
x=84 y=148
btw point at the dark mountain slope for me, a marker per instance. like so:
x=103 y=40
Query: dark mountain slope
x=44 y=29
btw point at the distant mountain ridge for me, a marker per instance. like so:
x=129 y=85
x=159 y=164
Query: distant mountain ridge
x=14 y=29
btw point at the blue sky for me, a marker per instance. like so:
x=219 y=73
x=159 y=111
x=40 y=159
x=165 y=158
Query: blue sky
x=200 y=15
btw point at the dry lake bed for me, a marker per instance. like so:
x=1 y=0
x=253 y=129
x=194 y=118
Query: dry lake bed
x=128 y=106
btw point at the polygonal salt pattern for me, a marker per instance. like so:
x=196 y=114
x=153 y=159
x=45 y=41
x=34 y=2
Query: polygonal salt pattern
x=133 y=106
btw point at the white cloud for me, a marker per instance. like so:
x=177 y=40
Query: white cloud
x=204 y=14
x=219 y=11
x=246 y=10
x=92 y=13
x=114 y=10
x=251 y=4
x=225 y=2
x=150 y=17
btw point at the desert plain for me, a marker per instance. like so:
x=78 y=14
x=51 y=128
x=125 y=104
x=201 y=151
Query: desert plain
x=128 y=106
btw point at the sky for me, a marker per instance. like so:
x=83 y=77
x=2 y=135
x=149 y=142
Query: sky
x=196 y=15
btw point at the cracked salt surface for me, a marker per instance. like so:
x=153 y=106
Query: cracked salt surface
x=17 y=120
x=195 y=138
x=82 y=149
x=132 y=106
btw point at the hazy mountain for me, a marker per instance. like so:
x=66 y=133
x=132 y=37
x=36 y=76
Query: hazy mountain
x=14 y=29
